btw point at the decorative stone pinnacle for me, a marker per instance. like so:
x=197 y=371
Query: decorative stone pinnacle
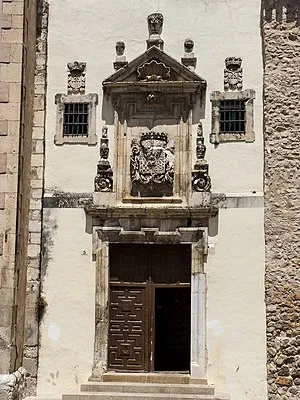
x=120 y=47
x=120 y=58
x=155 y=25
x=188 y=45
x=188 y=59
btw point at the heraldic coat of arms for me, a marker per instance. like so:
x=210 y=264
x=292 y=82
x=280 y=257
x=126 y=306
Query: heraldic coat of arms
x=152 y=165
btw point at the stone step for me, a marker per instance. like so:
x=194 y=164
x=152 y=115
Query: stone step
x=125 y=387
x=150 y=378
x=135 y=396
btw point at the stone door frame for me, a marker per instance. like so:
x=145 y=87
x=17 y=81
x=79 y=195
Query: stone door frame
x=197 y=238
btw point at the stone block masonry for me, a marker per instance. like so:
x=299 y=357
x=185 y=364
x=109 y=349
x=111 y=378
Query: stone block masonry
x=281 y=50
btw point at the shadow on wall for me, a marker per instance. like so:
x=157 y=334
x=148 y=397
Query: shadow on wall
x=281 y=11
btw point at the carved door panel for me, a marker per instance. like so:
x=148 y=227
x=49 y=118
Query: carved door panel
x=136 y=272
x=127 y=330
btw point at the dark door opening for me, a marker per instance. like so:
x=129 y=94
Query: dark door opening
x=149 y=308
x=172 y=329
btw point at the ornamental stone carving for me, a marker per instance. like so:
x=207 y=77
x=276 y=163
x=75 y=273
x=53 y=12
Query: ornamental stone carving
x=120 y=57
x=12 y=385
x=104 y=178
x=233 y=74
x=76 y=77
x=200 y=179
x=154 y=71
x=189 y=60
x=155 y=25
x=152 y=165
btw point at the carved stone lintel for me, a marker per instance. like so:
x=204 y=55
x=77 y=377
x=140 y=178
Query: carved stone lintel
x=233 y=74
x=155 y=24
x=200 y=179
x=104 y=179
x=76 y=77
x=188 y=59
x=12 y=385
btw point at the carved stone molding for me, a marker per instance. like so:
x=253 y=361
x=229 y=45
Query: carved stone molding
x=153 y=71
x=104 y=179
x=76 y=77
x=217 y=135
x=12 y=385
x=200 y=179
x=233 y=74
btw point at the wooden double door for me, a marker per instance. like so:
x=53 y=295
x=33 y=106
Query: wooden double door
x=149 y=310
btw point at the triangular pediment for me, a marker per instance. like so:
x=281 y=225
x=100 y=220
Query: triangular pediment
x=154 y=65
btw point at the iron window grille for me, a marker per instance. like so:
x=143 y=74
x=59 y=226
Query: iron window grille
x=232 y=116
x=76 y=119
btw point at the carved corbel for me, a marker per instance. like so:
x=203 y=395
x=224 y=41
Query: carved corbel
x=200 y=179
x=104 y=178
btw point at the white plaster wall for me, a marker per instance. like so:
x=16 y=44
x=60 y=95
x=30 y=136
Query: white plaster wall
x=88 y=32
x=235 y=305
x=67 y=329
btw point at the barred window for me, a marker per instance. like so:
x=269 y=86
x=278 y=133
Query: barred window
x=232 y=116
x=76 y=119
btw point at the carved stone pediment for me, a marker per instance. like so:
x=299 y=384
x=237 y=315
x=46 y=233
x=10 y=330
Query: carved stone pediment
x=154 y=66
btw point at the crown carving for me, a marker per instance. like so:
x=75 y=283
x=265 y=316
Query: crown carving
x=154 y=71
x=77 y=67
x=233 y=62
x=151 y=135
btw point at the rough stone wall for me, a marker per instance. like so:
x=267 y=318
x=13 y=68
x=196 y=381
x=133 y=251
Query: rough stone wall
x=34 y=304
x=281 y=51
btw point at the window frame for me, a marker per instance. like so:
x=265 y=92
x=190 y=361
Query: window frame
x=217 y=136
x=91 y=137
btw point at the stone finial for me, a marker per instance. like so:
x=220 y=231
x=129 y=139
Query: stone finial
x=120 y=57
x=155 y=25
x=188 y=45
x=104 y=179
x=76 y=77
x=233 y=74
x=200 y=179
x=188 y=59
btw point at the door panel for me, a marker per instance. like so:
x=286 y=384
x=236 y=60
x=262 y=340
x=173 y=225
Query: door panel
x=127 y=330
x=136 y=271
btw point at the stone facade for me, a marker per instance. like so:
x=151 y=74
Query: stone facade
x=281 y=49
x=17 y=61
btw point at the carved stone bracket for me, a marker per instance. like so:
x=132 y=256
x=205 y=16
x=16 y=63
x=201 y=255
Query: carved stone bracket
x=104 y=178
x=12 y=385
x=76 y=77
x=200 y=179
x=233 y=74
